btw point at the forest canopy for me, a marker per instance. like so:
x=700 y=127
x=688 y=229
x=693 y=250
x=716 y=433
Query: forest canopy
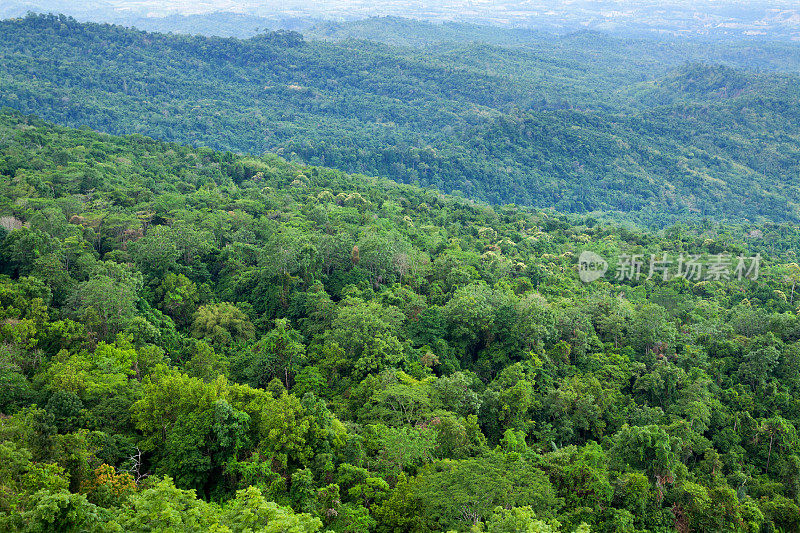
x=194 y=339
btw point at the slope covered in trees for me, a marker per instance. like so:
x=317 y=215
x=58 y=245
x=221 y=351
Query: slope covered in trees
x=547 y=124
x=757 y=54
x=193 y=339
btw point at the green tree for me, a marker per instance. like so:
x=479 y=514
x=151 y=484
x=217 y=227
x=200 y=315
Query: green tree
x=105 y=304
x=221 y=325
x=278 y=354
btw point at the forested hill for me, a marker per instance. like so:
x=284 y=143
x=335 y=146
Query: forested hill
x=558 y=125
x=763 y=54
x=194 y=340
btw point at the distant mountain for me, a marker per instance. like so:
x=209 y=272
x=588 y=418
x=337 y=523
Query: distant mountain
x=583 y=123
x=714 y=19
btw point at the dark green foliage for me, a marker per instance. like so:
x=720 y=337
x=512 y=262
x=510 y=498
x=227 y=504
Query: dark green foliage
x=547 y=122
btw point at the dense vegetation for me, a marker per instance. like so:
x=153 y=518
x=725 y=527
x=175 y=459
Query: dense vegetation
x=196 y=340
x=547 y=123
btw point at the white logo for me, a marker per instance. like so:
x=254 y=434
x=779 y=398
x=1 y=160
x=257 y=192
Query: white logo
x=591 y=266
x=719 y=267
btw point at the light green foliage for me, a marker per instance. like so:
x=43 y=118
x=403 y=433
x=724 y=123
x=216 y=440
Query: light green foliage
x=406 y=448
x=278 y=354
x=166 y=508
x=177 y=416
x=517 y=519
x=60 y=510
x=367 y=332
x=649 y=449
x=106 y=303
x=459 y=493
x=178 y=297
x=156 y=253
x=249 y=511
x=205 y=363
x=21 y=479
x=221 y=325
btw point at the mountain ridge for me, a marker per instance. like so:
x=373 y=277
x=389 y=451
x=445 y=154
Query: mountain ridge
x=521 y=131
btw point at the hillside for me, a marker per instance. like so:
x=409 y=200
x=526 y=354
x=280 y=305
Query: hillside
x=549 y=125
x=192 y=339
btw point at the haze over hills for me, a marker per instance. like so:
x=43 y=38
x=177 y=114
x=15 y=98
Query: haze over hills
x=731 y=19
x=633 y=131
